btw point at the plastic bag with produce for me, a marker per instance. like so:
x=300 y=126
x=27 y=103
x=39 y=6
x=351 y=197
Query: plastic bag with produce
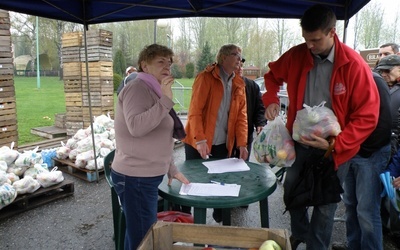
x=274 y=144
x=318 y=120
x=7 y=194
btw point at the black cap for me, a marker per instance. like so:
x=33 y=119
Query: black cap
x=388 y=62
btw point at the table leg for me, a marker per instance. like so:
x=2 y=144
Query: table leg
x=200 y=215
x=226 y=216
x=264 y=213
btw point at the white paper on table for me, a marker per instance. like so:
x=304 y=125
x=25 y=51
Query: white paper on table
x=226 y=166
x=210 y=189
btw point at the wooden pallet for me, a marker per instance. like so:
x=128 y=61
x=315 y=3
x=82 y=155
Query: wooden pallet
x=67 y=166
x=42 y=196
x=45 y=144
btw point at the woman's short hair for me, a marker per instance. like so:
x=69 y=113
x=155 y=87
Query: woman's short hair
x=150 y=52
x=226 y=50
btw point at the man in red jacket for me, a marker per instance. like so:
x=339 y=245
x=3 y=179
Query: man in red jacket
x=322 y=69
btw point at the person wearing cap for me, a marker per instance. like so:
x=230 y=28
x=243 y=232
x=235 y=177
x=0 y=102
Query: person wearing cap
x=131 y=73
x=255 y=107
x=389 y=68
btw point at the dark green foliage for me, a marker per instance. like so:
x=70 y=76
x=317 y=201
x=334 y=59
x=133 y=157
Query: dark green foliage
x=205 y=58
x=117 y=81
x=190 y=70
x=119 y=63
x=176 y=72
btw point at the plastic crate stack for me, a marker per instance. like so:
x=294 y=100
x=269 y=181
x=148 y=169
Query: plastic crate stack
x=100 y=69
x=8 y=112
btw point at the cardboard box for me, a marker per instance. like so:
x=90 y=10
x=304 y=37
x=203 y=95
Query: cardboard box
x=171 y=235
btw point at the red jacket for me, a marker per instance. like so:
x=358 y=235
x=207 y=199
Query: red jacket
x=355 y=98
x=207 y=93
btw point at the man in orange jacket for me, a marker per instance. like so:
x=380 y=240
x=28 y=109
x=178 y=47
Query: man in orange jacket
x=217 y=118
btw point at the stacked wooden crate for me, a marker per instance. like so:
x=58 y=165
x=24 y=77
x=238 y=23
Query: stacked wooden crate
x=72 y=75
x=8 y=113
x=98 y=71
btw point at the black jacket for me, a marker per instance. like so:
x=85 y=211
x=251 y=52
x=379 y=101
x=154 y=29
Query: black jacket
x=255 y=108
x=381 y=135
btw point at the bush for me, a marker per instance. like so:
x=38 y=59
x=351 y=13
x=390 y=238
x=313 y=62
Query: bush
x=190 y=70
x=117 y=79
x=175 y=71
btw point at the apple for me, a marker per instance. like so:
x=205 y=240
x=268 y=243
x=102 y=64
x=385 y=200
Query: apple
x=281 y=154
x=270 y=245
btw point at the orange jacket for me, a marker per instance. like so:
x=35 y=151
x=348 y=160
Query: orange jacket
x=207 y=93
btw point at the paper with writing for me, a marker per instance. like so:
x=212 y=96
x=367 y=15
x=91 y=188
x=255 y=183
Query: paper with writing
x=210 y=189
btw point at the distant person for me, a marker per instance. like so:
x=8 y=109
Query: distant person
x=217 y=118
x=130 y=74
x=255 y=107
x=389 y=68
x=145 y=124
x=388 y=49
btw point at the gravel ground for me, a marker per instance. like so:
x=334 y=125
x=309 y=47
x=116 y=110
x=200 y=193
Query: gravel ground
x=84 y=220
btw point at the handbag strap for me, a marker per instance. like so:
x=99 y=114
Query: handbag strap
x=331 y=140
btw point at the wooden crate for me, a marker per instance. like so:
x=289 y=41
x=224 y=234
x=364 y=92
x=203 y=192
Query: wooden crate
x=105 y=85
x=96 y=111
x=72 y=85
x=99 y=37
x=73 y=99
x=73 y=114
x=72 y=70
x=171 y=235
x=70 y=54
x=5 y=41
x=97 y=99
x=60 y=119
x=71 y=39
x=73 y=127
x=5 y=50
x=5 y=33
x=98 y=69
x=6 y=68
x=96 y=53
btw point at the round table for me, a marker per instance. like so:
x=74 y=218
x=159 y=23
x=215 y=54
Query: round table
x=256 y=185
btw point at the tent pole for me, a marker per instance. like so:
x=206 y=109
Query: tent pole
x=90 y=102
x=346 y=20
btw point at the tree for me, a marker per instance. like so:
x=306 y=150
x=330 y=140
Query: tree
x=189 y=70
x=175 y=71
x=119 y=64
x=205 y=58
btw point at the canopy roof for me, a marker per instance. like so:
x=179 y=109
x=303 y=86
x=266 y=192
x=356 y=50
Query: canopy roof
x=101 y=11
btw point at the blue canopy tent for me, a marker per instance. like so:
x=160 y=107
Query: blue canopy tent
x=88 y=12
x=101 y=11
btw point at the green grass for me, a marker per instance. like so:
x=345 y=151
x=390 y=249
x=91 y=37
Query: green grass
x=36 y=107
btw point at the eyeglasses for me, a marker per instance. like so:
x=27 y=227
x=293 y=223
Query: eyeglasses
x=387 y=71
x=239 y=56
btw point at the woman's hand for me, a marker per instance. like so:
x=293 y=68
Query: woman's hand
x=166 y=86
x=272 y=111
x=180 y=177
